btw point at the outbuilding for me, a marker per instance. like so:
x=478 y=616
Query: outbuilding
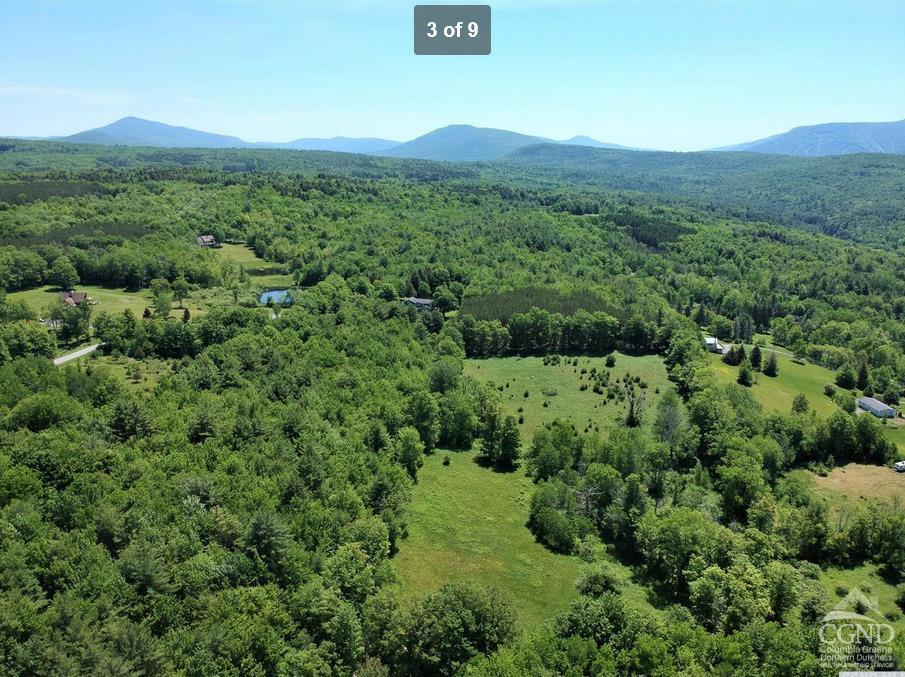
x=876 y=407
x=73 y=298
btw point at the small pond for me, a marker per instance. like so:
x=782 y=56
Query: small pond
x=281 y=297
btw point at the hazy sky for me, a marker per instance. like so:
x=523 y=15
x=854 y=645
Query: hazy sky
x=676 y=75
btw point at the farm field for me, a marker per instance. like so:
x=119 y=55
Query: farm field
x=778 y=393
x=467 y=524
x=582 y=407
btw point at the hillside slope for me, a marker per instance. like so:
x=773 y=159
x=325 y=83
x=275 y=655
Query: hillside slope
x=835 y=138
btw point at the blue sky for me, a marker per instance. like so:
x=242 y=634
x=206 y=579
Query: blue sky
x=675 y=75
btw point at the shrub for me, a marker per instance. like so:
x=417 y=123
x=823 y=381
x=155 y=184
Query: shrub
x=554 y=530
x=597 y=580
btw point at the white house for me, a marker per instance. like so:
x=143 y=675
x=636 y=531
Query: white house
x=876 y=407
x=713 y=345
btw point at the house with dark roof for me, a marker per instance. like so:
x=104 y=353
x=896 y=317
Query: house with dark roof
x=420 y=304
x=876 y=407
x=207 y=241
x=73 y=298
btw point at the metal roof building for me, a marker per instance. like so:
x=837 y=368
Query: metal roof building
x=876 y=407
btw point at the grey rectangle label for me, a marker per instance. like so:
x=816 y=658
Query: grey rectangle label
x=452 y=29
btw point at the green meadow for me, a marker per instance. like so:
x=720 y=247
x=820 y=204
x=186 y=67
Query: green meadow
x=777 y=393
x=468 y=523
x=109 y=300
x=869 y=579
x=138 y=375
x=262 y=273
x=554 y=390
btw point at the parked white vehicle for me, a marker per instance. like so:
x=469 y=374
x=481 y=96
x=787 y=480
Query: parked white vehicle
x=899 y=466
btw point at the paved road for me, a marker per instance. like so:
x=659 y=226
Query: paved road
x=81 y=352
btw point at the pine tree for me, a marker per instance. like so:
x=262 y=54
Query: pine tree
x=863 y=376
x=756 y=358
x=771 y=368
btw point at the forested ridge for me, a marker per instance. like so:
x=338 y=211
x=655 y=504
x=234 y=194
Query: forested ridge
x=241 y=516
x=854 y=197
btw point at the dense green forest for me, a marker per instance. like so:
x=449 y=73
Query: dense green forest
x=242 y=515
x=854 y=197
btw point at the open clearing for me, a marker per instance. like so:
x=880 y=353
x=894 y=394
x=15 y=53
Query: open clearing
x=582 y=407
x=467 y=523
x=855 y=483
x=777 y=393
x=137 y=375
x=867 y=579
x=109 y=300
x=262 y=273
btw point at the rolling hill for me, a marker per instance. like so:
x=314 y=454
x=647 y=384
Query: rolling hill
x=835 y=138
x=464 y=143
x=131 y=131
x=853 y=197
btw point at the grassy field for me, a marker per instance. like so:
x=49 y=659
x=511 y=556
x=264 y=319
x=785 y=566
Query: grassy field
x=867 y=579
x=855 y=483
x=110 y=300
x=263 y=273
x=467 y=523
x=582 y=407
x=242 y=255
x=777 y=394
x=896 y=433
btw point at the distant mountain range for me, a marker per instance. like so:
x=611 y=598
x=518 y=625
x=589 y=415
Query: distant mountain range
x=452 y=143
x=133 y=131
x=464 y=143
x=468 y=143
x=834 y=138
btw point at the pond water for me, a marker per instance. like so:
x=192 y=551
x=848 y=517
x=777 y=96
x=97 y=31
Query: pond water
x=277 y=296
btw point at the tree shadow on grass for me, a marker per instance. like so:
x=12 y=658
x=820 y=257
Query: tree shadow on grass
x=484 y=462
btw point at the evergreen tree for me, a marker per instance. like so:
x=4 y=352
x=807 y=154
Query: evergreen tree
x=746 y=375
x=771 y=368
x=863 y=376
x=756 y=358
